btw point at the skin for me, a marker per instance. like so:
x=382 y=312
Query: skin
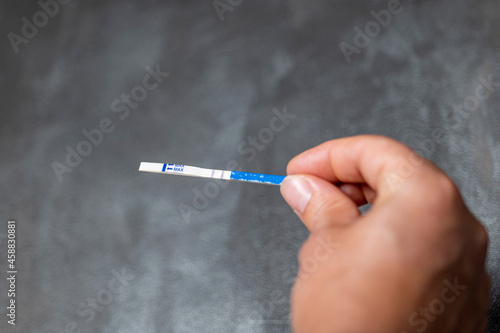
x=389 y=270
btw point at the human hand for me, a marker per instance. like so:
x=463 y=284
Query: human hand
x=415 y=262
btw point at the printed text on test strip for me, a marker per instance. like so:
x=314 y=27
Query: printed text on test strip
x=186 y=170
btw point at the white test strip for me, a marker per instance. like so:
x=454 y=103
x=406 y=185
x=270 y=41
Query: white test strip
x=184 y=170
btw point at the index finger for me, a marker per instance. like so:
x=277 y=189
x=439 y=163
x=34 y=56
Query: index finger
x=380 y=162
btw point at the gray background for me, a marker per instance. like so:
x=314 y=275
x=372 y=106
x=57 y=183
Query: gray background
x=230 y=266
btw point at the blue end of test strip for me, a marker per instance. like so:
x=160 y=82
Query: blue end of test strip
x=257 y=178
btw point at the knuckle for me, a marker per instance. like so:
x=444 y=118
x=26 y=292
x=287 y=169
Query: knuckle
x=482 y=238
x=318 y=210
x=445 y=189
x=439 y=195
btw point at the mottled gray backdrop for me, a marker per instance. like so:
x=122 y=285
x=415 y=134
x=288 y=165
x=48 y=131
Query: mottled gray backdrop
x=104 y=248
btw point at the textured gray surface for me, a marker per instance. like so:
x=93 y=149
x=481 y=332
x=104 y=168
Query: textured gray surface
x=229 y=266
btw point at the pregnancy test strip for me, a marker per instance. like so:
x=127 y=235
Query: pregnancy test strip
x=186 y=170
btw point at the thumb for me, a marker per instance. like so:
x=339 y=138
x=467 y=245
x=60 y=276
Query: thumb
x=318 y=203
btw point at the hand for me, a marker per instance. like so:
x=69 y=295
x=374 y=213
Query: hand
x=415 y=262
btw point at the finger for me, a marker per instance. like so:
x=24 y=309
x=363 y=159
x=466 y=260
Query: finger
x=369 y=193
x=317 y=202
x=380 y=162
x=354 y=192
x=361 y=194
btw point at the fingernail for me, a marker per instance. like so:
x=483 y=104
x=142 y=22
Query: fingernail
x=297 y=192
